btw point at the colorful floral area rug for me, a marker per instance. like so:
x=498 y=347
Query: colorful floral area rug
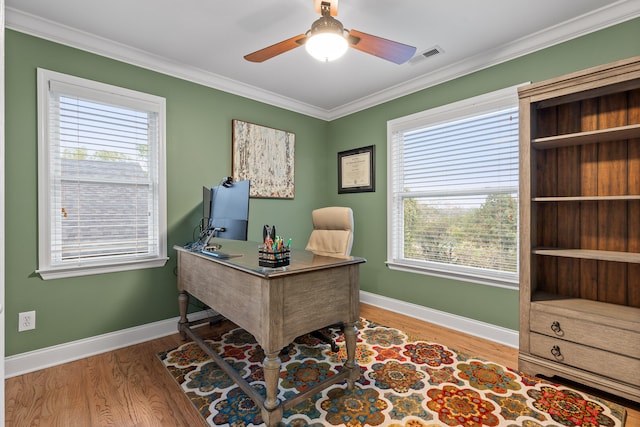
x=404 y=382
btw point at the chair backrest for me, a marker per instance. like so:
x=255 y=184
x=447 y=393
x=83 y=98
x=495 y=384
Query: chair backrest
x=332 y=233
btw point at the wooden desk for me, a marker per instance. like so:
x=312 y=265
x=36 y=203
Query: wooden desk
x=275 y=306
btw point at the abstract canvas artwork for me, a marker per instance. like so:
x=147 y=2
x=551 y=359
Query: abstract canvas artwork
x=265 y=156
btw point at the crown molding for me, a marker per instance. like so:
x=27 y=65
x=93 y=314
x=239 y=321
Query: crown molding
x=617 y=12
x=55 y=32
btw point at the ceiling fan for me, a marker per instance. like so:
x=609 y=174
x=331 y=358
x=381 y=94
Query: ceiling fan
x=333 y=31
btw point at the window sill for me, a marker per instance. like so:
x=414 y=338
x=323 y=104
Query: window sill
x=465 y=276
x=87 y=270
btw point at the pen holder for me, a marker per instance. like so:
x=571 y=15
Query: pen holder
x=274 y=259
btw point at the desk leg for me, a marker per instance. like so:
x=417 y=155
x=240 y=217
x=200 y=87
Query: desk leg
x=350 y=339
x=183 y=303
x=272 y=411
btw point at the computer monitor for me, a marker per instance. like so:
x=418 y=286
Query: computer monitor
x=228 y=209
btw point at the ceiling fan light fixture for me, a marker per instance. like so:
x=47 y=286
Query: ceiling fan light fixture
x=326 y=40
x=326 y=46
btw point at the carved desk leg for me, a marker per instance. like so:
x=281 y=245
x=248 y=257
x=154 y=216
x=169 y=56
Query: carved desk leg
x=272 y=411
x=350 y=339
x=183 y=303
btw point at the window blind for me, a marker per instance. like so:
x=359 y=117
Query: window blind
x=102 y=166
x=454 y=194
x=103 y=197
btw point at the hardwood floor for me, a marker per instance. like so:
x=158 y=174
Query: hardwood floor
x=129 y=387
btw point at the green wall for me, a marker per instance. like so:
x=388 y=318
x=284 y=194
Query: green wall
x=199 y=153
x=493 y=305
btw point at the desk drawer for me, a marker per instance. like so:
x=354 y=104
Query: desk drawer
x=574 y=329
x=601 y=362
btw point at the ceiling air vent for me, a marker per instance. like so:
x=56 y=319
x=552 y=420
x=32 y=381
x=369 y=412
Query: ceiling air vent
x=429 y=53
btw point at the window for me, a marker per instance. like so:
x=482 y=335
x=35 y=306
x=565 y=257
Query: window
x=101 y=178
x=453 y=190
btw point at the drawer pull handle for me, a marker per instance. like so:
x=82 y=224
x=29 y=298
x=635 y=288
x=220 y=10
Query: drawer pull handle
x=555 y=350
x=555 y=327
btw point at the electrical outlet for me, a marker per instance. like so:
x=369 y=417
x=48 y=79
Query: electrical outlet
x=26 y=321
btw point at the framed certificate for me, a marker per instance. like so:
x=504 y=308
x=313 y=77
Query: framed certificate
x=356 y=170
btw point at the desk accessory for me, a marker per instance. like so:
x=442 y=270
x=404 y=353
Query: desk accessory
x=273 y=252
x=274 y=259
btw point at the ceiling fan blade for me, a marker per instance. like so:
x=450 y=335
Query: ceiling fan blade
x=276 y=49
x=382 y=48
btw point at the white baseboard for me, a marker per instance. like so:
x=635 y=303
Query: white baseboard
x=498 y=334
x=56 y=355
x=68 y=352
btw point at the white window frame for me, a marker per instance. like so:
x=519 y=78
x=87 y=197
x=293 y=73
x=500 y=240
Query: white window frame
x=482 y=104
x=49 y=268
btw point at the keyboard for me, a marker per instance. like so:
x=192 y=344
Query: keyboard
x=220 y=255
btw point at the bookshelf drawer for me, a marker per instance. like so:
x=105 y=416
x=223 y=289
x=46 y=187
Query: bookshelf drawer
x=601 y=362
x=604 y=335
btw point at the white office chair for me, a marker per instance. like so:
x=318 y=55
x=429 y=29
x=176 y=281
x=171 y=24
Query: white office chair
x=332 y=236
x=332 y=233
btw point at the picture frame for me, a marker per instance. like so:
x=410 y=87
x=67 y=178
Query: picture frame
x=266 y=157
x=356 y=170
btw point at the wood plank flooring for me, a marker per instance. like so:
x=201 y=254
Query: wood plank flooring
x=129 y=387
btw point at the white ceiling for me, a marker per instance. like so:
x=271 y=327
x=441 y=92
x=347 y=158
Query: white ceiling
x=205 y=41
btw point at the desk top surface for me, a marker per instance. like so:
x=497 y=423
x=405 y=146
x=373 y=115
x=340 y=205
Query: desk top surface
x=243 y=255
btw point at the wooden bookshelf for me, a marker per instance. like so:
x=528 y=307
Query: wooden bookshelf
x=580 y=228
